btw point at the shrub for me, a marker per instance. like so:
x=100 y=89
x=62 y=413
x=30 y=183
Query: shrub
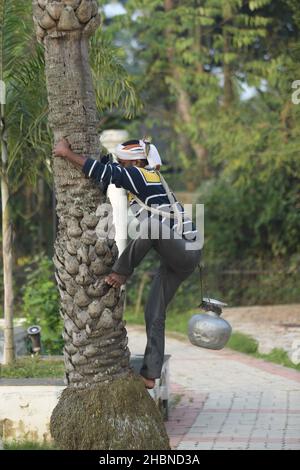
x=41 y=303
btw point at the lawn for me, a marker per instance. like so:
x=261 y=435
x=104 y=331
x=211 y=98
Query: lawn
x=33 y=367
x=28 y=445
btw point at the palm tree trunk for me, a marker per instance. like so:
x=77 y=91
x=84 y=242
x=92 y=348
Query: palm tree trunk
x=9 y=349
x=104 y=406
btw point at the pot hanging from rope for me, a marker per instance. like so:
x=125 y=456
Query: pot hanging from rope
x=206 y=329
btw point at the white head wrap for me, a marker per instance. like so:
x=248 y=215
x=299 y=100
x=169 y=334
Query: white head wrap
x=138 y=152
x=130 y=152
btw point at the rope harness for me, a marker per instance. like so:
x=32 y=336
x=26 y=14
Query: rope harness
x=177 y=213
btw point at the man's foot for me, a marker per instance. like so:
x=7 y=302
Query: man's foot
x=115 y=279
x=149 y=383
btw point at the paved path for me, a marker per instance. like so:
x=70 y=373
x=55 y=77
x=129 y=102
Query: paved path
x=227 y=400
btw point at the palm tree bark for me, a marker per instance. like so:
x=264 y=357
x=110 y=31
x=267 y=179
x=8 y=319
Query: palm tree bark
x=104 y=406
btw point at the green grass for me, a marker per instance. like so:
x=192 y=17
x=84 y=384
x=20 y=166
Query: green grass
x=27 y=445
x=174 y=321
x=278 y=356
x=33 y=367
x=246 y=344
x=242 y=343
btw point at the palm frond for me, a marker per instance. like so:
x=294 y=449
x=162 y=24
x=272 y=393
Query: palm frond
x=113 y=85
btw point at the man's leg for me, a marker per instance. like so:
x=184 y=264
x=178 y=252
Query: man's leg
x=134 y=252
x=131 y=257
x=164 y=285
x=177 y=265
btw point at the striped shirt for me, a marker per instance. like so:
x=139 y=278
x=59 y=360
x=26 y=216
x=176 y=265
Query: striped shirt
x=145 y=183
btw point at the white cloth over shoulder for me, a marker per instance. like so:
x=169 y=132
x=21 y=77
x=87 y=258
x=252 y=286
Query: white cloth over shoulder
x=153 y=156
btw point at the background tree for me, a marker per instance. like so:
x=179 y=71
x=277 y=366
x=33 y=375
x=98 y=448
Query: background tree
x=21 y=118
x=235 y=63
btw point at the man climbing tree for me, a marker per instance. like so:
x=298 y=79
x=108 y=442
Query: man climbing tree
x=174 y=238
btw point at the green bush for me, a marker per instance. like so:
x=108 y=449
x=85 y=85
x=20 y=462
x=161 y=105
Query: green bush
x=41 y=303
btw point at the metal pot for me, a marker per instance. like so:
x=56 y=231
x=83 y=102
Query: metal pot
x=208 y=330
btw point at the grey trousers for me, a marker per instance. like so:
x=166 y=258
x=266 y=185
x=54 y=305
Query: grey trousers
x=176 y=264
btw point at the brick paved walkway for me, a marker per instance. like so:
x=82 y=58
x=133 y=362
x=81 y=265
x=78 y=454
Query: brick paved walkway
x=227 y=400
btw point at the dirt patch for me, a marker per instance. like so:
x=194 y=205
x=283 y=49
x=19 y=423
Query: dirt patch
x=275 y=314
x=273 y=326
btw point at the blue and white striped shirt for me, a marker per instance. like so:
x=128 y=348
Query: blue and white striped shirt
x=142 y=182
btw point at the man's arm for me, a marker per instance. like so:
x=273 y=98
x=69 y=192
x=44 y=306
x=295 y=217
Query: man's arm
x=103 y=174
x=62 y=149
x=78 y=160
